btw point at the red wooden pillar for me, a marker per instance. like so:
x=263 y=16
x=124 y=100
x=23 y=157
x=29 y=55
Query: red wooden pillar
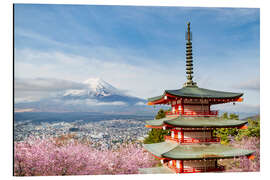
x=174 y=163
x=177 y=108
x=181 y=166
x=182 y=107
x=176 y=134
x=182 y=136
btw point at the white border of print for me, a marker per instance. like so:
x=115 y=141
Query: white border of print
x=6 y=78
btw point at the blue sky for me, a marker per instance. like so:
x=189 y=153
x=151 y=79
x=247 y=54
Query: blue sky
x=140 y=50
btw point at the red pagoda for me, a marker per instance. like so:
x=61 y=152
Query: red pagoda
x=191 y=146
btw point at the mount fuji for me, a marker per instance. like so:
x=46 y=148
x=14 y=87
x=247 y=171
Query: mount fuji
x=96 y=96
x=101 y=92
x=95 y=88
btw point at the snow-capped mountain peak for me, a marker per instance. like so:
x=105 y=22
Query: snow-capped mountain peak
x=95 y=87
x=94 y=83
x=101 y=87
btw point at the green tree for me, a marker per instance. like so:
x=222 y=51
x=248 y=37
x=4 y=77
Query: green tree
x=225 y=133
x=157 y=135
x=161 y=114
x=253 y=129
x=233 y=116
x=225 y=115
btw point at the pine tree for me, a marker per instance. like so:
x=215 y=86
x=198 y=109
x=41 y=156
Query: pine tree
x=156 y=135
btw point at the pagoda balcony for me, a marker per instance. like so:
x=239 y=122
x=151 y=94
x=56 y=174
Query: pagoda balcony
x=192 y=140
x=196 y=170
x=193 y=113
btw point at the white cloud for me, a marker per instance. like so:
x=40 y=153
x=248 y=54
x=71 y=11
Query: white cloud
x=34 y=89
x=238 y=107
x=92 y=102
x=140 y=103
x=46 y=84
x=139 y=80
x=251 y=84
x=26 y=99
x=37 y=37
x=228 y=15
x=115 y=103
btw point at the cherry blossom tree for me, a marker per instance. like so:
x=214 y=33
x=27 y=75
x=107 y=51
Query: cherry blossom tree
x=43 y=157
x=243 y=164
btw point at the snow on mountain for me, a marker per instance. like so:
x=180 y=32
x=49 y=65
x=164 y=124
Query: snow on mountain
x=100 y=87
x=95 y=87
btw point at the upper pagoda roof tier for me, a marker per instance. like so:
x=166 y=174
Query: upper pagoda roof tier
x=193 y=92
x=176 y=151
x=195 y=122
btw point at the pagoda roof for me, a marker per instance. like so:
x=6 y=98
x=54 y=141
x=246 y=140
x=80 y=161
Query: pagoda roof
x=159 y=122
x=176 y=151
x=196 y=122
x=196 y=92
x=156 y=170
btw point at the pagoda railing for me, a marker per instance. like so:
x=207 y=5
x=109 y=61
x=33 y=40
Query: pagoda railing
x=192 y=140
x=196 y=170
x=192 y=113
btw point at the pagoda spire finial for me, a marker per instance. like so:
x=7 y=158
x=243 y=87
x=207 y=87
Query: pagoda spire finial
x=189 y=61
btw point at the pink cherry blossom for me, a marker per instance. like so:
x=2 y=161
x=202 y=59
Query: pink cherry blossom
x=243 y=164
x=44 y=157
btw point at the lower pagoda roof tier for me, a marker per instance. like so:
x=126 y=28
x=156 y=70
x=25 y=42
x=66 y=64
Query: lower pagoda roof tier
x=194 y=92
x=156 y=170
x=195 y=122
x=171 y=150
x=158 y=123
